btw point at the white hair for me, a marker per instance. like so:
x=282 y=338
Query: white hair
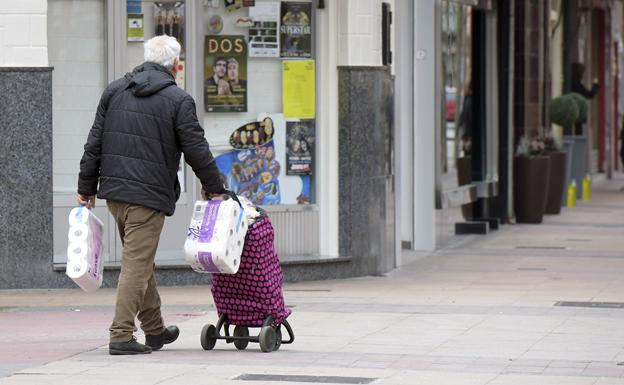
x=163 y=50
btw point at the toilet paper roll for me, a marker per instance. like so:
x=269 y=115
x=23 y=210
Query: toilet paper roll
x=80 y=273
x=77 y=251
x=77 y=268
x=78 y=233
x=78 y=215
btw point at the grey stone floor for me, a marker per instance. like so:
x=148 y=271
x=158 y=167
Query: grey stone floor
x=480 y=311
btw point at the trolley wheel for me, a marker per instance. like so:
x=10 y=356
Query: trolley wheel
x=278 y=338
x=208 y=337
x=241 y=331
x=267 y=339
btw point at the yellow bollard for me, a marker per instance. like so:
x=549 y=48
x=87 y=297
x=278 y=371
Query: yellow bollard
x=587 y=188
x=571 y=201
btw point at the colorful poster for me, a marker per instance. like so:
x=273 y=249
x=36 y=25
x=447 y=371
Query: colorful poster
x=255 y=171
x=135 y=28
x=299 y=147
x=169 y=20
x=252 y=173
x=298 y=89
x=225 y=73
x=296 y=30
x=263 y=40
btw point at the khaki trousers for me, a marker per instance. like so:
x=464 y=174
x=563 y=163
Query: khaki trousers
x=137 y=296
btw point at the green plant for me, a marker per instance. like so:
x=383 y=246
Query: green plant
x=564 y=110
x=581 y=103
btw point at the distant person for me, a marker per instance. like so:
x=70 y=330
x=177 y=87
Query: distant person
x=577 y=73
x=143 y=124
x=465 y=121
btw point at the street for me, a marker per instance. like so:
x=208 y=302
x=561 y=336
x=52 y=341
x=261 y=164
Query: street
x=528 y=304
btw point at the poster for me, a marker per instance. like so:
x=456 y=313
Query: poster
x=298 y=89
x=257 y=171
x=263 y=36
x=296 y=30
x=136 y=32
x=169 y=20
x=252 y=173
x=225 y=73
x=253 y=134
x=299 y=147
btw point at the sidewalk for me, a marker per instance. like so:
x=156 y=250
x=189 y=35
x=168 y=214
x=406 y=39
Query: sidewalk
x=484 y=311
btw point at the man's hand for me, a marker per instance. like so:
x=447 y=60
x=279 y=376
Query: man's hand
x=88 y=201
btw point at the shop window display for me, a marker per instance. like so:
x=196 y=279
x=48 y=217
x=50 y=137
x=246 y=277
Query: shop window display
x=243 y=99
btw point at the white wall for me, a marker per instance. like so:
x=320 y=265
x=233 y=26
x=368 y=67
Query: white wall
x=23 y=40
x=359 y=34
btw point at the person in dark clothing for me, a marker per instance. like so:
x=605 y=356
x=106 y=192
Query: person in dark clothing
x=465 y=121
x=142 y=125
x=577 y=71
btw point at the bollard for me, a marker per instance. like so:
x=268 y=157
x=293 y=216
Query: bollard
x=587 y=188
x=571 y=201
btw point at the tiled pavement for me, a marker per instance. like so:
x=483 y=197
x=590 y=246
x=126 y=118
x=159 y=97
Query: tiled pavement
x=481 y=311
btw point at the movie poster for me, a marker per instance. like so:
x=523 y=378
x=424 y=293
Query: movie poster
x=263 y=35
x=299 y=147
x=225 y=73
x=169 y=20
x=296 y=30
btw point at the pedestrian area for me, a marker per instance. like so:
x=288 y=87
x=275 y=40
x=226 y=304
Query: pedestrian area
x=528 y=304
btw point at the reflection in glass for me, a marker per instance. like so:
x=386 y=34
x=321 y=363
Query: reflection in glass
x=456 y=119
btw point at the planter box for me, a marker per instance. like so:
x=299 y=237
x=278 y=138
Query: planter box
x=556 y=182
x=530 y=188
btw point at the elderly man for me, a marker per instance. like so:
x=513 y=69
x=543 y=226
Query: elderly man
x=142 y=125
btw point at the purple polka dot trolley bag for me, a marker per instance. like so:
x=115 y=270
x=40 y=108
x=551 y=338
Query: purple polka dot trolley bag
x=252 y=297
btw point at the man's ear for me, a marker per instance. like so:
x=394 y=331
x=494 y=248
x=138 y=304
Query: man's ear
x=174 y=67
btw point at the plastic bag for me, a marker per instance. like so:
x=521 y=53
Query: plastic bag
x=85 y=259
x=216 y=236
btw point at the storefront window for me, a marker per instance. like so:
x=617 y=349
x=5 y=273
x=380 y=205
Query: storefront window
x=259 y=98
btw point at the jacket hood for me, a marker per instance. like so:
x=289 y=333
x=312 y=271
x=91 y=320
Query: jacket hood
x=149 y=78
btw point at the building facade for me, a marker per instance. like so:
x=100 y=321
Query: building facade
x=410 y=111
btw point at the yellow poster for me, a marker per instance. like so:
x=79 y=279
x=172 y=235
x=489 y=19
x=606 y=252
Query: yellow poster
x=298 y=89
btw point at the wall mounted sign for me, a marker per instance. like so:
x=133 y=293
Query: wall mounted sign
x=263 y=34
x=298 y=89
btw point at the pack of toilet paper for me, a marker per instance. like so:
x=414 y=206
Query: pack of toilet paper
x=85 y=259
x=216 y=236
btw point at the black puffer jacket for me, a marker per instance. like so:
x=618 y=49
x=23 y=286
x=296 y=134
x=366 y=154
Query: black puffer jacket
x=143 y=123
